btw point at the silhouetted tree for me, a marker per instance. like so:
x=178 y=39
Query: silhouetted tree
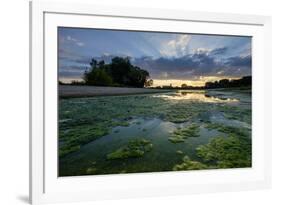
x=98 y=77
x=148 y=83
x=226 y=83
x=119 y=72
x=184 y=86
x=93 y=63
x=76 y=82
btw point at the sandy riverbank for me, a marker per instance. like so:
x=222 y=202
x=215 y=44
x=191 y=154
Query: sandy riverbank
x=67 y=91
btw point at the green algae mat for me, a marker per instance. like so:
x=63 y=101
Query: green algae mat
x=174 y=131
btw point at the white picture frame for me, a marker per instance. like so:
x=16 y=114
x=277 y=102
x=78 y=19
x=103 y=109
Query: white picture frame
x=46 y=187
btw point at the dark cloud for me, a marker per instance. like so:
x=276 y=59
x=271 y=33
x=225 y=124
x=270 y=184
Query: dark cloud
x=72 y=71
x=219 y=51
x=187 y=67
x=73 y=68
x=239 y=61
x=206 y=63
x=194 y=65
x=67 y=74
x=73 y=57
x=82 y=60
x=76 y=59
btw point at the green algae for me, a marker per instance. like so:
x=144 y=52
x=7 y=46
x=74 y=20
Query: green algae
x=220 y=152
x=177 y=139
x=68 y=149
x=239 y=131
x=240 y=113
x=227 y=152
x=179 y=152
x=91 y=170
x=189 y=164
x=177 y=112
x=74 y=138
x=120 y=123
x=231 y=151
x=87 y=119
x=181 y=134
x=135 y=148
x=92 y=118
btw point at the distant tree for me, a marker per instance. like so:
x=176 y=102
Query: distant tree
x=148 y=83
x=209 y=84
x=246 y=81
x=76 y=82
x=226 y=83
x=184 y=86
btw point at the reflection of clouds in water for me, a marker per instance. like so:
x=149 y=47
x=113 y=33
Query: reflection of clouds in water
x=200 y=96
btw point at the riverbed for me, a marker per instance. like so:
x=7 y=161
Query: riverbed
x=179 y=130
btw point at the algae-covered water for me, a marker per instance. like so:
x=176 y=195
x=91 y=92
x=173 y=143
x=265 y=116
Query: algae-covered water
x=179 y=130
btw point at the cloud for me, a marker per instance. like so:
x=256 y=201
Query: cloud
x=176 y=47
x=67 y=74
x=73 y=68
x=219 y=51
x=240 y=61
x=187 y=67
x=193 y=65
x=66 y=55
x=202 y=51
x=72 y=71
x=73 y=40
x=209 y=51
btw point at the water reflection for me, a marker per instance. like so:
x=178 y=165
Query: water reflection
x=197 y=95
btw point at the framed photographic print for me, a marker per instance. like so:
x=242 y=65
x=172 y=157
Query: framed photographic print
x=129 y=102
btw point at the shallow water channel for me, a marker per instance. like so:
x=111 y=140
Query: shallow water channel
x=153 y=117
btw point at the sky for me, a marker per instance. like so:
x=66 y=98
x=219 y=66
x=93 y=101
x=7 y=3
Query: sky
x=170 y=58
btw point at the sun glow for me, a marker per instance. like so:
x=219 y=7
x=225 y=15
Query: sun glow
x=200 y=96
x=200 y=81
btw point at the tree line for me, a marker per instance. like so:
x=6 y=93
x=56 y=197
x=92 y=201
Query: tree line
x=245 y=81
x=119 y=72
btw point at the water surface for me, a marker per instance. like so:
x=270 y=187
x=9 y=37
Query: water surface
x=107 y=123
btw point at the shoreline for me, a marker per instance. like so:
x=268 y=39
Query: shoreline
x=80 y=91
x=77 y=91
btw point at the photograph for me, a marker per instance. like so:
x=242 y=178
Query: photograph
x=149 y=101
